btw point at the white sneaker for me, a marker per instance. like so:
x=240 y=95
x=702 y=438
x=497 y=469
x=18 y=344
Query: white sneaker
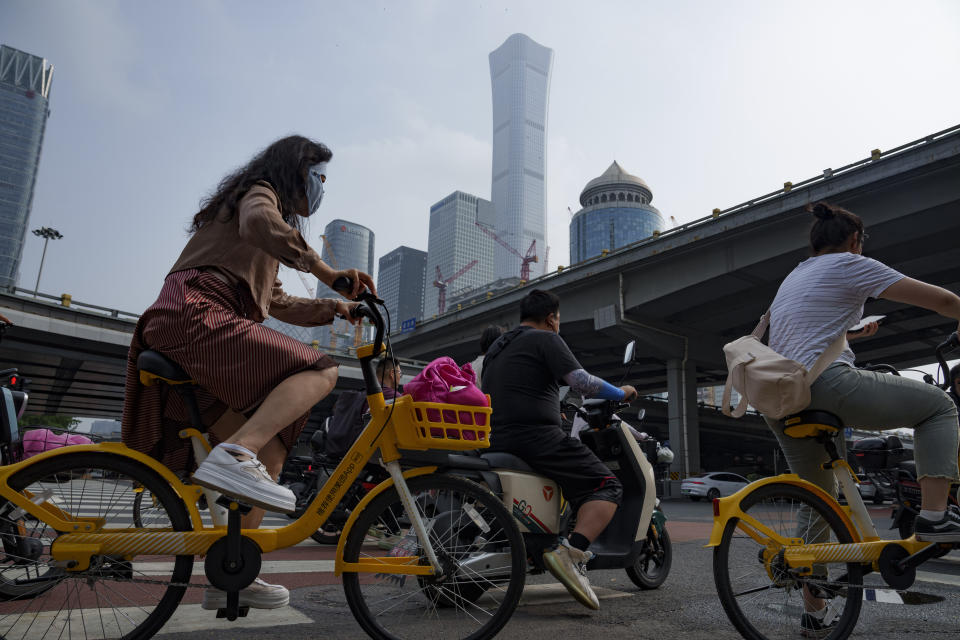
x=244 y=479
x=569 y=566
x=259 y=595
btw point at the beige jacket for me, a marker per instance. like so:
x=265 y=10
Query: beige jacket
x=248 y=248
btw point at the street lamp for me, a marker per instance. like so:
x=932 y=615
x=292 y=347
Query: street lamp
x=48 y=234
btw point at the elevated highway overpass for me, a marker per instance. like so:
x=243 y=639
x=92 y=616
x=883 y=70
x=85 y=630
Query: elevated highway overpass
x=686 y=293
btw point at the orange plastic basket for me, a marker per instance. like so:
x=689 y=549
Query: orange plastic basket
x=433 y=425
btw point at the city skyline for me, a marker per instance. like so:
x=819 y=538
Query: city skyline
x=713 y=105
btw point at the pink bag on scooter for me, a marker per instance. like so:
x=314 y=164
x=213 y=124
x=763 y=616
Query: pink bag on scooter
x=444 y=381
x=39 y=440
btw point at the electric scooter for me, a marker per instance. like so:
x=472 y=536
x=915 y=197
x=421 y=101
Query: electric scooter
x=635 y=540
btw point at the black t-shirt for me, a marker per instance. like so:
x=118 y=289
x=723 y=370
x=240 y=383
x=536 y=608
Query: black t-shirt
x=522 y=373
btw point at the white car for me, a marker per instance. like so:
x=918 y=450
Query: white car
x=712 y=485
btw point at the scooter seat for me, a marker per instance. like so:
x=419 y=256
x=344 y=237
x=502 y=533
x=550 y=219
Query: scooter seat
x=501 y=460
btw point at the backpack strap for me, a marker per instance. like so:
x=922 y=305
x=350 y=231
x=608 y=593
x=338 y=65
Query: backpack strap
x=826 y=358
x=497 y=347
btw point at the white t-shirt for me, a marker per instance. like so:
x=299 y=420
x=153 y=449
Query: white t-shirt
x=821 y=299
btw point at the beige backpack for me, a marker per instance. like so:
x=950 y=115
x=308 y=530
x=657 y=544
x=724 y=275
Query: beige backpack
x=775 y=386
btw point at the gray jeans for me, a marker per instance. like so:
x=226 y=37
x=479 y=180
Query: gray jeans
x=878 y=401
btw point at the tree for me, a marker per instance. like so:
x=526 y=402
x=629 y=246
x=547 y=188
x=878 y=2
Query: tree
x=58 y=421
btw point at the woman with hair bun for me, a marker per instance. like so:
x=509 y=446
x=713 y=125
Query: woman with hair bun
x=818 y=302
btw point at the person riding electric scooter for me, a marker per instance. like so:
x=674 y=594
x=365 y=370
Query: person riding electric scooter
x=636 y=539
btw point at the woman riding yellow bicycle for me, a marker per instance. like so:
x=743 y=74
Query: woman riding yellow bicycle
x=256 y=384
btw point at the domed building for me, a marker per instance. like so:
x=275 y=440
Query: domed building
x=616 y=211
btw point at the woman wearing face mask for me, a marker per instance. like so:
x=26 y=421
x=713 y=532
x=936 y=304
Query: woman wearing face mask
x=257 y=385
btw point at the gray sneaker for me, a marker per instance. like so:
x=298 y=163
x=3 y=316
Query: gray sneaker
x=247 y=480
x=569 y=566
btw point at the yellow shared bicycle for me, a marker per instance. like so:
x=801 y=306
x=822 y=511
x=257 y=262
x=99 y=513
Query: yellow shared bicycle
x=784 y=547
x=99 y=541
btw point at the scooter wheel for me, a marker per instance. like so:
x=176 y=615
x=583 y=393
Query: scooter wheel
x=652 y=566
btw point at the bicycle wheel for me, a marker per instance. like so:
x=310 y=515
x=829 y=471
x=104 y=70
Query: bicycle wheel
x=478 y=544
x=762 y=598
x=116 y=597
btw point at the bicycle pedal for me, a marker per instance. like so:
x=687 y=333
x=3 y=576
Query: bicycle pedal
x=242 y=507
x=241 y=613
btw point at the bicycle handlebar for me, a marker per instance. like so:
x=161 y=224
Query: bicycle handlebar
x=344 y=285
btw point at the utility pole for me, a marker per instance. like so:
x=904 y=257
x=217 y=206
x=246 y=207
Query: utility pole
x=48 y=234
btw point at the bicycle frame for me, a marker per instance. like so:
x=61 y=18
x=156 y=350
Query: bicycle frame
x=865 y=548
x=80 y=539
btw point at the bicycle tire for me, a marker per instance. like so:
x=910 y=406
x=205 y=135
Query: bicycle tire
x=110 y=604
x=775 y=604
x=658 y=555
x=486 y=526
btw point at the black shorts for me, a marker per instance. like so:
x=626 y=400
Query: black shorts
x=549 y=451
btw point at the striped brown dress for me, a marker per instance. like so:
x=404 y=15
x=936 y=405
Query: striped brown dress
x=203 y=324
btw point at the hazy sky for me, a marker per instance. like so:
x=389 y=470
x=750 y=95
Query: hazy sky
x=711 y=103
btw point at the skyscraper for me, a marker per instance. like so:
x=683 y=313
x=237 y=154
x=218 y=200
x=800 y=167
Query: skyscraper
x=400 y=281
x=24 y=109
x=455 y=242
x=616 y=211
x=520 y=80
x=346 y=245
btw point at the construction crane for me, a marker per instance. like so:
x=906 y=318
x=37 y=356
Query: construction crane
x=441 y=284
x=524 y=260
x=306 y=284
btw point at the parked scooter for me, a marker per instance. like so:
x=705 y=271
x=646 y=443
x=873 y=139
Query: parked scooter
x=635 y=540
x=304 y=475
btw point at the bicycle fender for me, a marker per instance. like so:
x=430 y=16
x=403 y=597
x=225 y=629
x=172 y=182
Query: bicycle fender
x=726 y=508
x=373 y=493
x=112 y=448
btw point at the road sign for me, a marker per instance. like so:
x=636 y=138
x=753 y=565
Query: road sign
x=408 y=325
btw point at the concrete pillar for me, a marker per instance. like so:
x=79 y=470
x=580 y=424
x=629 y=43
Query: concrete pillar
x=682 y=420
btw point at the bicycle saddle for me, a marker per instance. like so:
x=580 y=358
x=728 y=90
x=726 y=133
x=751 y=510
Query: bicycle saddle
x=155 y=367
x=809 y=424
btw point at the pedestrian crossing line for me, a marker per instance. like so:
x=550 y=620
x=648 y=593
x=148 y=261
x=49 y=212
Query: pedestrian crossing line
x=187 y=619
x=942 y=578
x=556 y=593
x=533 y=594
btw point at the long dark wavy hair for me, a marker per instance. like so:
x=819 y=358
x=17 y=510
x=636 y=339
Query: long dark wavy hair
x=283 y=164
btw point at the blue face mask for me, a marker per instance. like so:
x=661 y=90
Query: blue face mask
x=315 y=177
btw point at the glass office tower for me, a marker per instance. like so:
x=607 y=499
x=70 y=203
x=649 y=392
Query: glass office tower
x=616 y=212
x=400 y=280
x=24 y=109
x=346 y=245
x=520 y=80
x=454 y=242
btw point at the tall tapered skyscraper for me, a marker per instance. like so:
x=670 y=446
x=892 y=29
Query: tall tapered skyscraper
x=520 y=79
x=24 y=91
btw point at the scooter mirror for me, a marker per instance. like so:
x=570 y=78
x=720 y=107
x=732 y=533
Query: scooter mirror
x=641 y=413
x=628 y=352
